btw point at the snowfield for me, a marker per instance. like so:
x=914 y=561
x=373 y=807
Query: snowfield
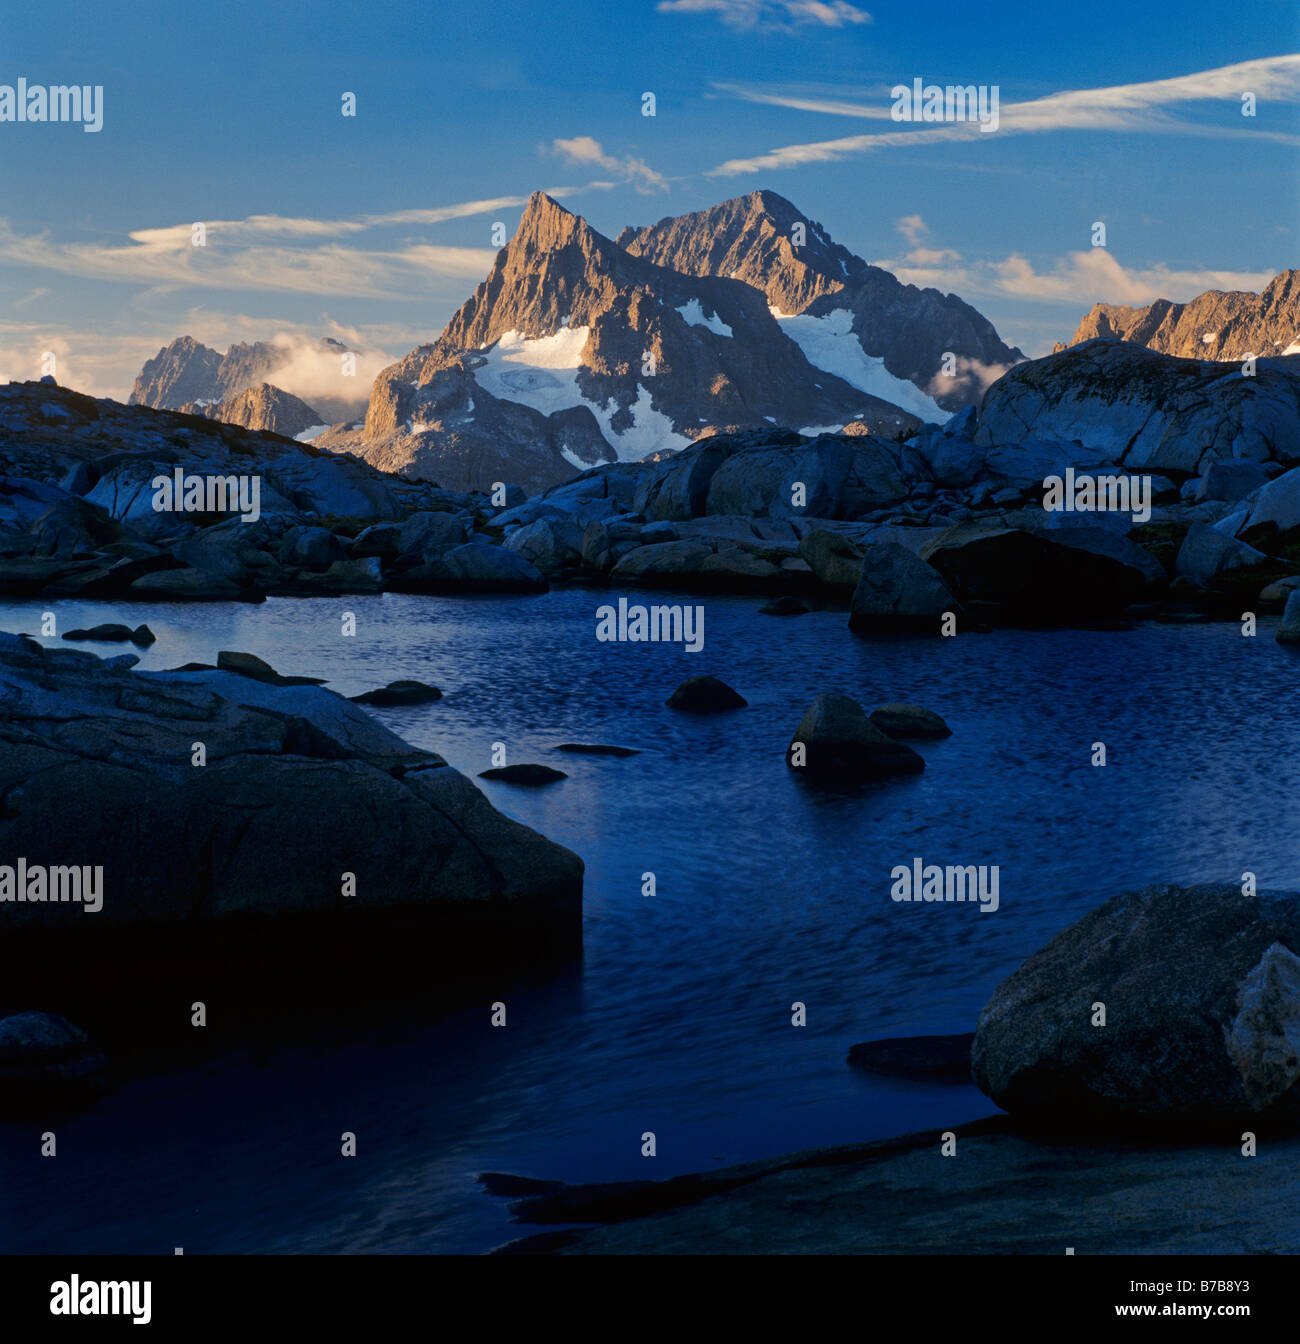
x=541 y=372
x=828 y=343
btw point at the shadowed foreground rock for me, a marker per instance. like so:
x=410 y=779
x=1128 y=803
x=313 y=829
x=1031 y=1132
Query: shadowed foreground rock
x=45 y=1060
x=1201 y=988
x=312 y=839
x=1002 y=1194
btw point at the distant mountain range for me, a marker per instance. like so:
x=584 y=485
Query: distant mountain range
x=187 y=375
x=1219 y=324
x=577 y=350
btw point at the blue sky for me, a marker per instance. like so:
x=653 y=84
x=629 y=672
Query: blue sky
x=375 y=228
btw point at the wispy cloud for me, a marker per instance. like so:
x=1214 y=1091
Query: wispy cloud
x=773 y=15
x=1138 y=108
x=1079 y=279
x=277 y=253
x=587 y=152
x=912 y=227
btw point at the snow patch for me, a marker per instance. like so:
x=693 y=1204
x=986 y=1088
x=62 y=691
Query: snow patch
x=310 y=433
x=541 y=372
x=1209 y=338
x=693 y=312
x=828 y=343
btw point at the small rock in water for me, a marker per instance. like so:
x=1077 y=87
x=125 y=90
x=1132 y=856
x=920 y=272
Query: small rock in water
x=926 y=1058
x=250 y=665
x=533 y=775
x=835 y=738
x=705 y=695
x=783 y=606
x=900 y=720
x=594 y=749
x=110 y=633
x=399 y=693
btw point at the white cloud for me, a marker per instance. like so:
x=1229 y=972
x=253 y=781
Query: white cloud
x=588 y=152
x=773 y=15
x=1122 y=107
x=1080 y=278
x=279 y=253
x=912 y=227
x=104 y=362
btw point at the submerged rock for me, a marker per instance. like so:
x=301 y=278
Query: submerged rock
x=834 y=737
x=1201 y=994
x=705 y=695
x=784 y=606
x=141 y=636
x=593 y=749
x=399 y=693
x=923 y=1058
x=901 y=720
x=527 y=773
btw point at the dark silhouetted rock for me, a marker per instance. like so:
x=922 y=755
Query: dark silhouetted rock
x=399 y=693
x=529 y=774
x=901 y=720
x=705 y=695
x=784 y=606
x=835 y=738
x=924 y=1058
x=141 y=636
x=594 y=749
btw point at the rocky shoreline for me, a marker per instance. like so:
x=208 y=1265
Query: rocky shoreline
x=252 y=842
x=1148 y=1058
x=944 y=523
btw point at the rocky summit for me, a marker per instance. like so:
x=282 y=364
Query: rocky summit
x=576 y=351
x=839 y=308
x=1219 y=324
x=263 y=408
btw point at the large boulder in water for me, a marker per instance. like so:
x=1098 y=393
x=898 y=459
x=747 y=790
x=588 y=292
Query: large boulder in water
x=1201 y=987
x=835 y=738
x=244 y=851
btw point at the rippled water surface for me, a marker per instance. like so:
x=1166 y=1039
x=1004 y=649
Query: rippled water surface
x=768 y=891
